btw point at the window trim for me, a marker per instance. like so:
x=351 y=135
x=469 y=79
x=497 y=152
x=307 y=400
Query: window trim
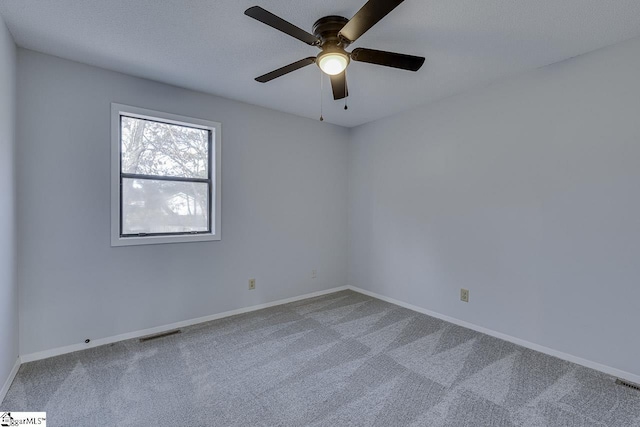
x=215 y=172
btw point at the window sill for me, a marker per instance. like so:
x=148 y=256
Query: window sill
x=156 y=240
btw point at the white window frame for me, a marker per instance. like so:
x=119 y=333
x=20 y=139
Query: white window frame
x=118 y=110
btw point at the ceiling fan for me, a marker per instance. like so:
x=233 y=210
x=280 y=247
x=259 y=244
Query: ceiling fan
x=332 y=34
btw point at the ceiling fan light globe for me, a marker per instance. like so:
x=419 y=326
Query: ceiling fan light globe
x=333 y=63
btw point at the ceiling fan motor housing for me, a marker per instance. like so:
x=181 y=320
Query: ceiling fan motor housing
x=327 y=29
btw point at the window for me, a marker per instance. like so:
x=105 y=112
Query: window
x=165 y=178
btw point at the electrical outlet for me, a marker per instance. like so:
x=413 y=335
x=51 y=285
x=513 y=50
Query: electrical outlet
x=252 y=284
x=314 y=274
x=464 y=295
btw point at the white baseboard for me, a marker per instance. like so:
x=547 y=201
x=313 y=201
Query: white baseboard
x=7 y=383
x=542 y=349
x=159 y=329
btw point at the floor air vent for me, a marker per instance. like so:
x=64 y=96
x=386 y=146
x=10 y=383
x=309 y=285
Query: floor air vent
x=161 y=335
x=628 y=384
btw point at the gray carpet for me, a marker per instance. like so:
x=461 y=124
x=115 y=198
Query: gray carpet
x=343 y=359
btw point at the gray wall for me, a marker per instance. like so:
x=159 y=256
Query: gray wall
x=8 y=283
x=526 y=193
x=283 y=210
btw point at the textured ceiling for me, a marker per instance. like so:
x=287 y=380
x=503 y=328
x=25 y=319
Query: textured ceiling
x=211 y=46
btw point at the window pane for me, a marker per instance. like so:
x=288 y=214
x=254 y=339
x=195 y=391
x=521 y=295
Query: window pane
x=154 y=148
x=153 y=206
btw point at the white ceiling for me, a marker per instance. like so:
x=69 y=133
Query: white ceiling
x=211 y=46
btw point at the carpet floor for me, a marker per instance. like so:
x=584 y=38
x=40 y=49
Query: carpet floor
x=342 y=359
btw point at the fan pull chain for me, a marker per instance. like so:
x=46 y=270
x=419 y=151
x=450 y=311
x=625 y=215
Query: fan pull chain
x=321 y=87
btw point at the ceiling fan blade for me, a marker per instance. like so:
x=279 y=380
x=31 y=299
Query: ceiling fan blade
x=388 y=59
x=339 y=85
x=286 y=69
x=266 y=17
x=368 y=16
